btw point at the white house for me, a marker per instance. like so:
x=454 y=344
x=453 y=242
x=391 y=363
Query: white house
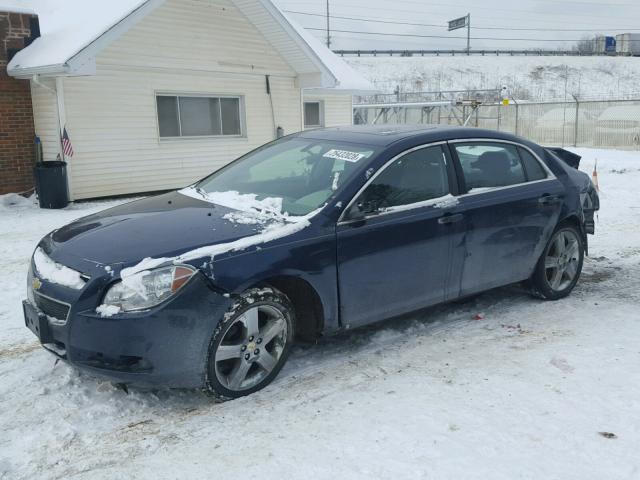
x=156 y=94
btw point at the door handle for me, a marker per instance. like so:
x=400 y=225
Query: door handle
x=547 y=199
x=449 y=219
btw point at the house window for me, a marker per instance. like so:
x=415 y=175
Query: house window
x=313 y=115
x=199 y=116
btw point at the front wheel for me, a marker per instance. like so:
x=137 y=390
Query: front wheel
x=560 y=265
x=251 y=344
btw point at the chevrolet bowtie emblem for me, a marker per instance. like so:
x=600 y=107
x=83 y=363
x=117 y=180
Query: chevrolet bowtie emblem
x=36 y=283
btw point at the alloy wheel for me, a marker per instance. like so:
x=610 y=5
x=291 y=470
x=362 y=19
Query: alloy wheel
x=562 y=260
x=251 y=348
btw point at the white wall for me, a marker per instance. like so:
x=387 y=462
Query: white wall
x=192 y=46
x=338 y=109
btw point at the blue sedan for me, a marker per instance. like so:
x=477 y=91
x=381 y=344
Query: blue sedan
x=310 y=235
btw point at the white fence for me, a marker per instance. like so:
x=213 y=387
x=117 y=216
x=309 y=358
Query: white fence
x=601 y=124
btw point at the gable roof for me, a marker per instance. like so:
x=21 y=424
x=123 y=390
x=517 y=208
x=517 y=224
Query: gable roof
x=75 y=31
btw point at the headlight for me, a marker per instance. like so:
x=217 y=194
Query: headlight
x=147 y=289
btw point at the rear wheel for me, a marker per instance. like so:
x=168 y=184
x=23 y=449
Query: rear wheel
x=559 y=268
x=251 y=344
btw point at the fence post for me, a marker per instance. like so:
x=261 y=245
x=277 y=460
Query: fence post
x=516 y=126
x=575 y=133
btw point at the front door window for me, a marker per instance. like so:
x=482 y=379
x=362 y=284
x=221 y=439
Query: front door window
x=410 y=181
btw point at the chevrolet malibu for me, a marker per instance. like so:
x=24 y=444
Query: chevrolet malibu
x=310 y=235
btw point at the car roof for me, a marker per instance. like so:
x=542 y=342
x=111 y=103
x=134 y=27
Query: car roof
x=384 y=135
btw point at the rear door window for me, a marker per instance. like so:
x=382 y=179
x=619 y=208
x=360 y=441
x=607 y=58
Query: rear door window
x=490 y=165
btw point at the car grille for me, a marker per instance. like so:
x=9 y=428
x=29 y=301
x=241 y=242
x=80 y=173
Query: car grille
x=52 y=308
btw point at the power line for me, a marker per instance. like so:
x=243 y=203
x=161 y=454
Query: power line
x=554 y=2
x=474 y=6
x=444 y=26
x=457 y=38
x=526 y=18
x=367 y=19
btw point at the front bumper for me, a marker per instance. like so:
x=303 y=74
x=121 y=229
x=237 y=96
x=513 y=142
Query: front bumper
x=166 y=345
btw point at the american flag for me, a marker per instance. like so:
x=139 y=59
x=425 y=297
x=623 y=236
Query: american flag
x=67 y=148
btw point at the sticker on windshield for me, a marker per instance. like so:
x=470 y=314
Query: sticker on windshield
x=345 y=155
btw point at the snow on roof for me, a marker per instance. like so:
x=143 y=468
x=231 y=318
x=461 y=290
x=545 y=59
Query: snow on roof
x=348 y=80
x=16 y=6
x=67 y=27
x=72 y=27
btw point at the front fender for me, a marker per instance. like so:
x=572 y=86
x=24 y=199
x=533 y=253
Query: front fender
x=312 y=259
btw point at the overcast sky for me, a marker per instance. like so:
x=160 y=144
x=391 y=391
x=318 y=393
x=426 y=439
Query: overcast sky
x=550 y=18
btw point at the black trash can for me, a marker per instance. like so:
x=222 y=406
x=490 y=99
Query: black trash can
x=51 y=184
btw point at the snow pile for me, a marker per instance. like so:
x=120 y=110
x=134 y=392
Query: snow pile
x=56 y=273
x=12 y=200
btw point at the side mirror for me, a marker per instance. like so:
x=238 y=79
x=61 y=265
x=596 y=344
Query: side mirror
x=361 y=209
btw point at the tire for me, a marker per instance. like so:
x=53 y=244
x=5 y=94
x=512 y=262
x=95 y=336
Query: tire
x=251 y=344
x=558 y=269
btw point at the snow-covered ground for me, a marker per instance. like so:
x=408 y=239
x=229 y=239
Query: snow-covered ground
x=526 y=392
x=528 y=78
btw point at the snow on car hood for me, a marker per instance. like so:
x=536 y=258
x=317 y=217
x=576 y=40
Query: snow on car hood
x=165 y=227
x=266 y=214
x=56 y=273
x=247 y=203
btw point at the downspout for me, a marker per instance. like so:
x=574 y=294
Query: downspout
x=273 y=112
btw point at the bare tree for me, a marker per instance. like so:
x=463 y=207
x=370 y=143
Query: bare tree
x=586 y=45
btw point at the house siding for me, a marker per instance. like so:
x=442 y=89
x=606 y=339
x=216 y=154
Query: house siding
x=45 y=116
x=112 y=120
x=182 y=47
x=338 y=110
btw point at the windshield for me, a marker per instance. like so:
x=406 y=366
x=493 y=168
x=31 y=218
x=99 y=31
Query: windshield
x=292 y=177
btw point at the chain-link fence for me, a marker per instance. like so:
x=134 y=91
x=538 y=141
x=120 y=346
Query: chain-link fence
x=602 y=124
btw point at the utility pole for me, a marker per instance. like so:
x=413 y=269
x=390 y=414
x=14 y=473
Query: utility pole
x=328 y=27
x=468 y=34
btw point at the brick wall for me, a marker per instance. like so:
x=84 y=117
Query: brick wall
x=17 y=154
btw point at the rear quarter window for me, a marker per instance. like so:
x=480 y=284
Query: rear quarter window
x=532 y=166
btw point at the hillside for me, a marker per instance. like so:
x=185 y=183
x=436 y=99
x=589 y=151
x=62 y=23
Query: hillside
x=528 y=78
